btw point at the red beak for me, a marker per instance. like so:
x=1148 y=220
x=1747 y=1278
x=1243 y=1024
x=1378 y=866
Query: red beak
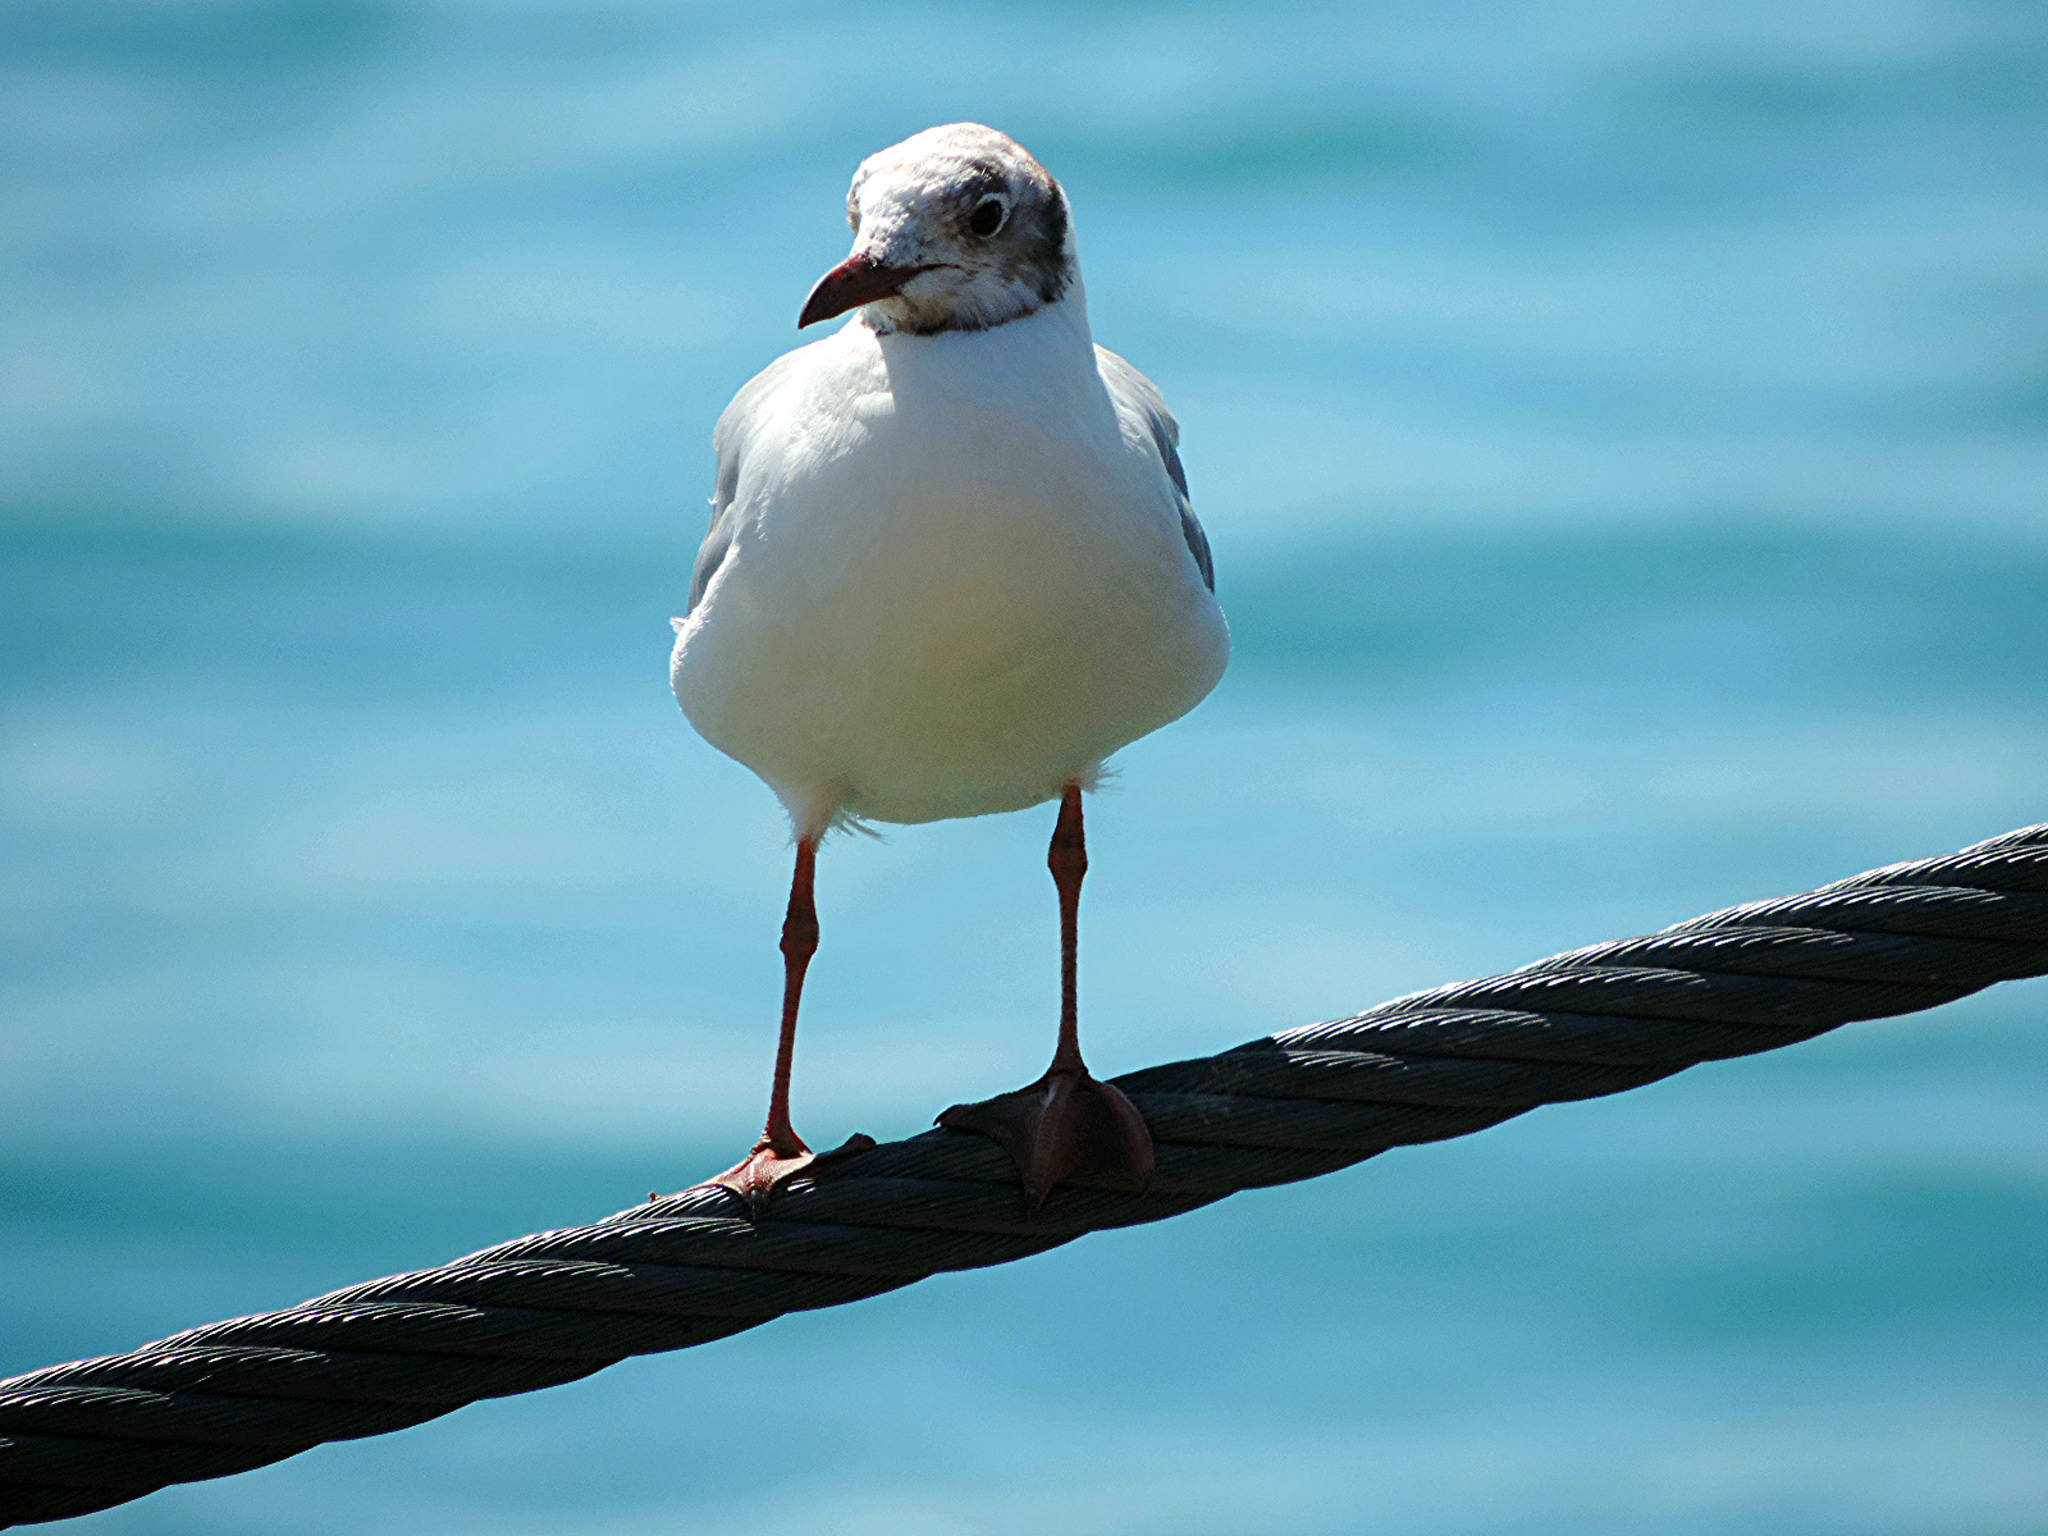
x=858 y=280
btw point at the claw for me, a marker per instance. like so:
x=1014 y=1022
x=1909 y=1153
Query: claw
x=1066 y=1123
x=763 y=1171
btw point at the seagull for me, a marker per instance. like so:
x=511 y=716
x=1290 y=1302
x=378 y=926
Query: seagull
x=951 y=568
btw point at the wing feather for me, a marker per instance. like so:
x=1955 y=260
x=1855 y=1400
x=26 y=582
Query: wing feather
x=1135 y=393
x=729 y=442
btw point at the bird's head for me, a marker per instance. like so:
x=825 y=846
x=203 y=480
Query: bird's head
x=955 y=229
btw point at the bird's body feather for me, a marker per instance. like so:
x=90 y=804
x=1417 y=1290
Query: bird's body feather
x=947 y=574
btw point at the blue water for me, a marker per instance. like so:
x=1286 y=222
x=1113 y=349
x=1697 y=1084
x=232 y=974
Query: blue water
x=1621 y=432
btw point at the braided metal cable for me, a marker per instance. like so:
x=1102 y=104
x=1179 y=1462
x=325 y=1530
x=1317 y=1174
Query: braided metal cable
x=546 y=1309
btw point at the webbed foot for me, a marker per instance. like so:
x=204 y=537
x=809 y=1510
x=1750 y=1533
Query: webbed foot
x=763 y=1171
x=1065 y=1124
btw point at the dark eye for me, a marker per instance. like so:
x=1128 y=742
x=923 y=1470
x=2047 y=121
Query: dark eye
x=988 y=216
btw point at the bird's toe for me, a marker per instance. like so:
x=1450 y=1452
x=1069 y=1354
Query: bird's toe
x=763 y=1171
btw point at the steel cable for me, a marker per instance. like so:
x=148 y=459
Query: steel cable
x=546 y=1309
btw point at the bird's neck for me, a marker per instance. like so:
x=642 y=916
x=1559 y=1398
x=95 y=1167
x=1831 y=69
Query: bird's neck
x=1040 y=363
x=882 y=317
x=1050 y=334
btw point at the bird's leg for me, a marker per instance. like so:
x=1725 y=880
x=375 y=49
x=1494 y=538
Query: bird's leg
x=799 y=944
x=1067 y=858
x=1066 y=1123
x=780 y=1153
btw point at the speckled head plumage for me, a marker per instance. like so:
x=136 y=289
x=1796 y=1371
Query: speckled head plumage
x=957 y=228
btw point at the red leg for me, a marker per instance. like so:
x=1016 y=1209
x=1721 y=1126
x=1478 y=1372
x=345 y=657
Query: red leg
x=780 y=1153
x=1066 y=1123
x=1067 y=858
x=799 y=943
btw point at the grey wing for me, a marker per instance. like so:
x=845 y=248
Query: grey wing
x=1130 y=388
x=728 y=442
x=718 y=539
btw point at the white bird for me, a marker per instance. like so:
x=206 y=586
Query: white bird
x=951 y=569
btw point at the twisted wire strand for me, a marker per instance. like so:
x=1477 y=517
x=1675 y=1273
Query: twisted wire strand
x=555 y=1306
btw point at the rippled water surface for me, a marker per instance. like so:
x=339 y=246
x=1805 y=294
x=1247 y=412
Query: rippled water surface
x=1620 y=430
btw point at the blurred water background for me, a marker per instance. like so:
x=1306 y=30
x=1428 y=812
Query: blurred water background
x=1620 y=429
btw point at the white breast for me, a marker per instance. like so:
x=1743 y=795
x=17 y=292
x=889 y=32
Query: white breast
x=956 y=580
